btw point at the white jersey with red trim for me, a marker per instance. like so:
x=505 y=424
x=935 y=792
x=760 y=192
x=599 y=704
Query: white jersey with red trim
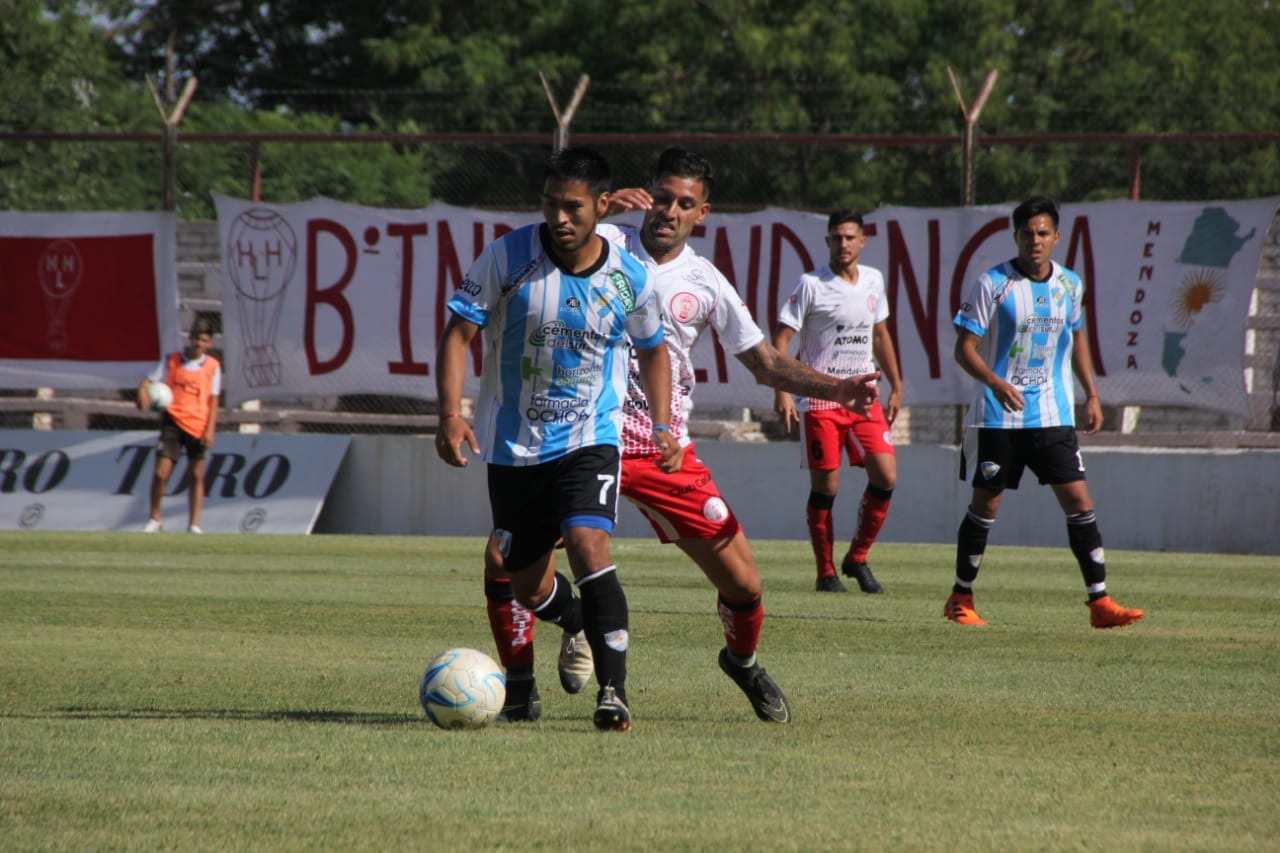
x=693 y=295
x=835 y=319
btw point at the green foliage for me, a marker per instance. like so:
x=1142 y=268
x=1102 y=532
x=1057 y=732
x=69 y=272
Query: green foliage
x=360 y=173
x=259 y=693
x=667 y=66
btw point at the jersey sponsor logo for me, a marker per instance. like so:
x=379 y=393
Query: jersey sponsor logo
x=683 y=307
x=557 y=335
x=576 y=375
x=469 y=287
x=518 y=276
x=557 y=410
x=691 y=487
x=695 y=276
x=1030 y=378
x=574 y=304
x=622 y=285
x=851 y=340
x=1040 y=325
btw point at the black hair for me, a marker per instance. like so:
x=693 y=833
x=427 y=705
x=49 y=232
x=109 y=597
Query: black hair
x=685 y=164
x=201 y=326
x=580 y=163
x=840 y=217
x=1033 y=207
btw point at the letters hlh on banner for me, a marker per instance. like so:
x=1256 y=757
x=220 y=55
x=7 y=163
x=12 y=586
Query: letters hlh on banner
x=97 y=480
x=88 y=300
x=328 y=298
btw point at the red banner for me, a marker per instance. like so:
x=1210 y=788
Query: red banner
x=90 y=298
x=87 y=300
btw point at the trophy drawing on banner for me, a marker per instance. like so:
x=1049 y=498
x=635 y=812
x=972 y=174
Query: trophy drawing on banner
x=262 y=252
x=60 y=272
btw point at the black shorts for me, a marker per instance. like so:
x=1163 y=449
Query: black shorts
x=174 y=440
x=532 y=505
x=1052 y=454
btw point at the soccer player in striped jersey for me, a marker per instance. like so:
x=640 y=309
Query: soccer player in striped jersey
x=684 y=506
x=1020 y=334
x=840 y=311
x=560 y=308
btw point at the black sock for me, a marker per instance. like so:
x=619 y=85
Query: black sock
x=563 y=607
x=604 y=617
x=1086 y=544
x=817 y=500
x=971 y=544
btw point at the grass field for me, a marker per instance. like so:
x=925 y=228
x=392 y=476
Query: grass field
x=259 y=693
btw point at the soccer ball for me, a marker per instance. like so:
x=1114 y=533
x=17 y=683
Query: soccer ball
x=462 y=689
x=161 y=396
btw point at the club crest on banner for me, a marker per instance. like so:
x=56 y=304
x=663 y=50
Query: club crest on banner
x=261 y=255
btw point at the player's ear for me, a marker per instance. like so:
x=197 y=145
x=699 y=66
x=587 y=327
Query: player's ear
x=602 y=204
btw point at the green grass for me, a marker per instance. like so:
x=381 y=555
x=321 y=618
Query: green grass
x=259 y=693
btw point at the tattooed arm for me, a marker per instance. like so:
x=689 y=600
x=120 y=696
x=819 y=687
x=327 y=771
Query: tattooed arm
x=779 y=370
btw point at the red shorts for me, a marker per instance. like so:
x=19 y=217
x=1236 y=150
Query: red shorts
x=826 y=431
x=683 y=505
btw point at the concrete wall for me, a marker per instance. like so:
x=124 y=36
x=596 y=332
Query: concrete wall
x=1212 y=501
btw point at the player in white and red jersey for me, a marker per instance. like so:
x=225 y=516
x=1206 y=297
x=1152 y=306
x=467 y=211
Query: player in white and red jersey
x=840 y=312
x=684 y=506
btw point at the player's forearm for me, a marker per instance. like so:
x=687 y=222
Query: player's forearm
x=887 y=358
x=655 y=380
x=784 y=373
x=451 y=362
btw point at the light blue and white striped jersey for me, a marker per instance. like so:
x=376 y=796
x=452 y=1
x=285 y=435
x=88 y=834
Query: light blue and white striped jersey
x=1026 y=327
x=555 y=346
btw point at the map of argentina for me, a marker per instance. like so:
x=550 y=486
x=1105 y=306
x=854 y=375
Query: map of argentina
x=1207 y=253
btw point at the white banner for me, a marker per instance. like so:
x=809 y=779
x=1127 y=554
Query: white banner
x=87 y=300
x=328 y=298
x=95 y=480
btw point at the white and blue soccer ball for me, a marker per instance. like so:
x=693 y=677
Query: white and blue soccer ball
x=462 y=689
x=161 y=396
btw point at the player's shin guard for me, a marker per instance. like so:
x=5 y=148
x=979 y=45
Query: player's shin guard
x=511 y=625
x=871 y=515
x=562 y=606
x=971 y=544
x=742 y=622
x=1086 y=544
x=605 y=620
x=821 y=530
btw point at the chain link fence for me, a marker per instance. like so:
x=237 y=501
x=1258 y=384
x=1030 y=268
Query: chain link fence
x=816 y=173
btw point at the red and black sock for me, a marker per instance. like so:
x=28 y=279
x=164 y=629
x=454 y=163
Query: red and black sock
x=871 y=515
x=512 y=628
x=742 y=622
x=821 y=531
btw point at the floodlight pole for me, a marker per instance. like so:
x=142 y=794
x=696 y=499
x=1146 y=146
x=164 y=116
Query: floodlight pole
x=971 y=114
x=560 y=139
